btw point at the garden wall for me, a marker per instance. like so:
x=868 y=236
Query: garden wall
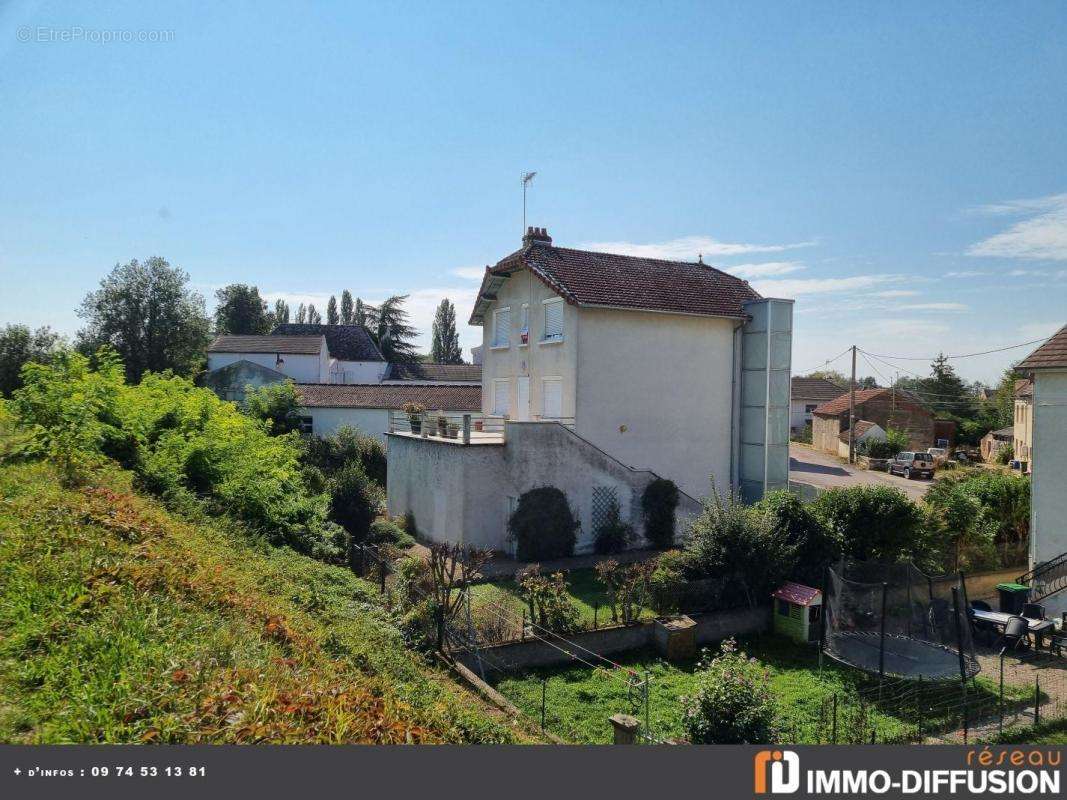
x=983 y=585
x=532 y=653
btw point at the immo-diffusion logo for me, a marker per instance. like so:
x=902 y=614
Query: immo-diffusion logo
x=784 y=769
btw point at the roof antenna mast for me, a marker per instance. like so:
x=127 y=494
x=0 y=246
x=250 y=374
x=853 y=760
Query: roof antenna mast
x=527 y=179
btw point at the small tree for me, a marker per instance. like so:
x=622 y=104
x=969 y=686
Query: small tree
x=355 y=501
x=301 y=314
x=444 y=347
x=314 y=317
x=241 y=310
x=548 y=600
x=626 y=587
x=659 y=503
x=453 y=568
x=19 y=346
x=612 y=534
x=543 y=525
x=346 y=307
x=281 y=312
x=813 y=544
x=332 y=318
x=733 y=703
x=874 y=523
x=276 y=404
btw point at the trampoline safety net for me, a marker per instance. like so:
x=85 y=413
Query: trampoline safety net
x=893 y=619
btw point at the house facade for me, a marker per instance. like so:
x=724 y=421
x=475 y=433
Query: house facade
x=887 y=408
x=1023 y=424
x=807 y=394
x=602 y=372
x=1046 y=368
x=994 y=442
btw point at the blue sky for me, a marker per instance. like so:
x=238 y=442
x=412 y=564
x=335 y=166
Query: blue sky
x=899 y=169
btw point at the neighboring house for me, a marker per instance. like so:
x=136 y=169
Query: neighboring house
x=995 y=441
x=354 y=357
x=304 y=359
x=805 y=396
x=1023 y=423
x=888 y=408
x=464 y=374
x=1046 y=368
x=601 y=372
x=327 y=407
x=865 y=431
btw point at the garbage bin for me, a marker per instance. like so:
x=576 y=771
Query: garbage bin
x=1012 y=597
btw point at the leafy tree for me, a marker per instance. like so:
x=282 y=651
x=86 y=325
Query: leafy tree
x=241 y=310
x=281 y=312
x=444 y=348
x=346 y=307
x=359 y=313
x=346 y=445
x=276 y=404
x=543 y=525
x=301 y=314
x=147 y=313
x=355 y=501
x=19 y=346
x=813 y=544
x=831 y=375
x=314 y=317
x=875 y=523
x=658 y=504
x=331 y=311
x=388 y=326
x=733 y=703
x=867 y=383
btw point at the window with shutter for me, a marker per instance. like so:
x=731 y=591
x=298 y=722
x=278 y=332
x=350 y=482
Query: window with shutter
x=554 y=320
x=551 y=398
x=500 y=397
x=502 y=327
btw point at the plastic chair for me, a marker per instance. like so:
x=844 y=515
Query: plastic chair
x=1016 y=635
x=984 y=632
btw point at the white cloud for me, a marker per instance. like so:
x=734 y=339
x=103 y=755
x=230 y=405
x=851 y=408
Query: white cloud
x=1038 y=330
x=765 y=269
x=796 y=287
x=889 y=294
x=906 y=329
x=1042 y=236
x=687 y=248
x=469 y=273
x=967 y=273
x=936 y=307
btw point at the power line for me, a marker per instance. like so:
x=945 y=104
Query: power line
x=829 y=361
x=964 y=355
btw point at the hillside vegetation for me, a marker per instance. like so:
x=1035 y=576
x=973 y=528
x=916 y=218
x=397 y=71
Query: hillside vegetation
x=120 y=622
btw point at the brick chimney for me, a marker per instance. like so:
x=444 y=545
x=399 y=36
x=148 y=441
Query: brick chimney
x=536 y=236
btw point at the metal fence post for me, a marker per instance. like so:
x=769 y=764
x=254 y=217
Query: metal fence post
x=1000 y=725
x=833 y=728
x=1037 y=700
x=466 y=429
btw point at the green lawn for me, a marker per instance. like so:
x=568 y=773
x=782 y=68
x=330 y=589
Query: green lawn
x=579 y=700
x=586 y=591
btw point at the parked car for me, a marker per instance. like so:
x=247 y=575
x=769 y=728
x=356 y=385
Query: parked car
x=912 y=465
x=940 y=454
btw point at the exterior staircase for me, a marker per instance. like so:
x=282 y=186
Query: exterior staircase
x=1046 y=579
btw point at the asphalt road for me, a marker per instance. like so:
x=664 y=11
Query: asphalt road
x=826 y=471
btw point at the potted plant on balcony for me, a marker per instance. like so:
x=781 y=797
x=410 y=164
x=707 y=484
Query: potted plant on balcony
x=415 y=412
x=453 y=430
x=442 y=426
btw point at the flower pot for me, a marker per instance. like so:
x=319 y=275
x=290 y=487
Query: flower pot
x=416 y=424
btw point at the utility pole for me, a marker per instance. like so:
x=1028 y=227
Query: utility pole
x=852 y=411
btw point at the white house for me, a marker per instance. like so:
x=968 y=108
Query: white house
x=599 y=373
x=805 y=396
x=1047 y=369
x=341 y=376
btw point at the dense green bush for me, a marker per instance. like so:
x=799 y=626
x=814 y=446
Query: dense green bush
x=345 y=445
x=385 y=532
x=733 y=703
x=1004 y=455
x=875 y=523
x=275 y=404
x=612 y=535
x=658 y=505
x=176 y=438
x=355 y=500
x=813 y=545
x=543 y=525
x=895 y=442
x=548 y=600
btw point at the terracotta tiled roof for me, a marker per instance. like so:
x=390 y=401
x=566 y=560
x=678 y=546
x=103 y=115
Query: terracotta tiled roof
x=1024 y=388
x=377 y=395
x=797 y=594
x=346 y=342
x=862 y=426
x=586 y=278
x=444 y=373
x=840 y=404
x=815 y=389
x=295 y=345
x=1051 y=355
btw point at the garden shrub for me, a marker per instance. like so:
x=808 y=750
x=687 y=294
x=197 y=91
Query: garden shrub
x=385 y=532
x=345 y=445
x=275 y=404
x=543 y=525
x=668 y=581
x=627 y=588
x=813 y=544
x=658 y=505
x=875 y=523
x=548 y=600
x=733 y=703
x=895 y=442
x=355 y=501
x=1004 y=455
x=612 y=535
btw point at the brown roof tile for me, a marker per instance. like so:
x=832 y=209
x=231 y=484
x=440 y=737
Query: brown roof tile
x=346 y=342
x=1024 y=388
x=587 y=278
x=1051 y=355
x=797 y=593
x=295 y=345
x=444 y=373
x=376 y=395
x=815 y=389
x=839 y=405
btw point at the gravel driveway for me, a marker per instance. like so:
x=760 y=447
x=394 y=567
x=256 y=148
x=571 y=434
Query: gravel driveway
x=827 y=472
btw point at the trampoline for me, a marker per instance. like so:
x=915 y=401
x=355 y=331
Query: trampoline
x=895 y=620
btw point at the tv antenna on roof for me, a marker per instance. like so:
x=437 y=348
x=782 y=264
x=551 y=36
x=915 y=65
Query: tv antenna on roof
x=527 y=179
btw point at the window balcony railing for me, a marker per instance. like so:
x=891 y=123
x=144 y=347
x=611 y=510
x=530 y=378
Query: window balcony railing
x=466 y=429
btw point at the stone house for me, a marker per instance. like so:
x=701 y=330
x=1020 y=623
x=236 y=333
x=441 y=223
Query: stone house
x=601 y=372
x=888 y=408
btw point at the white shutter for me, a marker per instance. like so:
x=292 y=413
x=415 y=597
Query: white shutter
x=500 y=397
x=501 y=327
x=554 y=319
x=552 y=398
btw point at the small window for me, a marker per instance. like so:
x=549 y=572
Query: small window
x=501 y=327
x=809 y=408
x=553 y=320
x=783 y=608
x=500 y=397
x=307 y=424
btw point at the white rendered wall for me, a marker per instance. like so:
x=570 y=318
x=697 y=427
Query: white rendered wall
x=1048 y=505
x=302 y=368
